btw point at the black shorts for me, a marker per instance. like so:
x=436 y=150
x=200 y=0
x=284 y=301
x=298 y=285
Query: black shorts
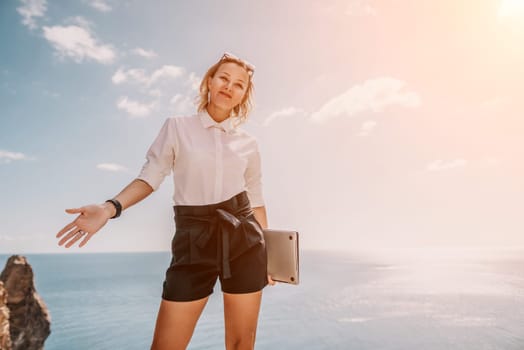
x=221 y=240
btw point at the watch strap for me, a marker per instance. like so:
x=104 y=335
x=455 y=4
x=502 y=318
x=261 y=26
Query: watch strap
x=117 y=205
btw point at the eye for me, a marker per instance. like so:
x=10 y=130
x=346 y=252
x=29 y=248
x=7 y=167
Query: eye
x=223 y=78
x=239 y=85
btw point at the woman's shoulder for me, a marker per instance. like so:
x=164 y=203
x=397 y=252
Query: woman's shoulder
x=182 y=119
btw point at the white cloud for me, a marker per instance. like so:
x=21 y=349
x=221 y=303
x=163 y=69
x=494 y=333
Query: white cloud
x=182 y=104
x=77 y=42
x=137 y=75
x=134 y=108
x=31 y=9
x=144 y=53
x=119 y=77
x=360 y=8
x=7 y=157
x=111 y=167
x=286 y=112
x=100 y=5
x=367 y=127
x=172 y=72
x=439 y=164
x=194 y=81
x=373 y=95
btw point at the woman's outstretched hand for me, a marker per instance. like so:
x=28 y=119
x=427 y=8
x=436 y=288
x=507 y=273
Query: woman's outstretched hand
x=91 y=219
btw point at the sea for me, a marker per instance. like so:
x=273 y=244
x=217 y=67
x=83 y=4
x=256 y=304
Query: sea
x=394 y=299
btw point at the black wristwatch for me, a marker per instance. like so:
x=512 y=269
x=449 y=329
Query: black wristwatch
x=118 y=207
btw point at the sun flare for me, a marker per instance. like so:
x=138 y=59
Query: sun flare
x=511 y=8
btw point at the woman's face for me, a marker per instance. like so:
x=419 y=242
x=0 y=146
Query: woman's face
x=228 y=86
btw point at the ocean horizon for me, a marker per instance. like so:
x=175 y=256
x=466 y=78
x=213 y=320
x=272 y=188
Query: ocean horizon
x=441 y=299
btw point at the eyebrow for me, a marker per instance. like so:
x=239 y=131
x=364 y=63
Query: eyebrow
x=230 y=75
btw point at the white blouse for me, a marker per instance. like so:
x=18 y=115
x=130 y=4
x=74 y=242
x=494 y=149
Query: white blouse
x=211 y=162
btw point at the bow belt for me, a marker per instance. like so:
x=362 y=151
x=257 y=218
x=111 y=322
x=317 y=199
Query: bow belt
x=237 y=233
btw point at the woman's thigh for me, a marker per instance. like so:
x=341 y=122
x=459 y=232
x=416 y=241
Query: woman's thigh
x=241 y=317
x=176 y=322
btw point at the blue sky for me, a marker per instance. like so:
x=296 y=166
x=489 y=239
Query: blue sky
x=380 y=125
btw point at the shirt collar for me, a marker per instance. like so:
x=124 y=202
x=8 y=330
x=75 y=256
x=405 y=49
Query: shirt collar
x=208 y=122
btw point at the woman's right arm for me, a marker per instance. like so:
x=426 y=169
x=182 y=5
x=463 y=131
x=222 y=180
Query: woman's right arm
x=93 y=217
x=130 y=195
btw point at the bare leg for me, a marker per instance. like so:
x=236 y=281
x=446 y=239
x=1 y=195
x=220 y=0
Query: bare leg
x=241 y=318
x=175 y=323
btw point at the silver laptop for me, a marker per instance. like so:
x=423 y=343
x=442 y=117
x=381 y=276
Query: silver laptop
x=282 y=255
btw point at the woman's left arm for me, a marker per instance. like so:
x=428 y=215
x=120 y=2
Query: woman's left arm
x=261 y=215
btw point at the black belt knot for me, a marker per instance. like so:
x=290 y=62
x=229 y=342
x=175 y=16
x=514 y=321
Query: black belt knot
x=229 y=226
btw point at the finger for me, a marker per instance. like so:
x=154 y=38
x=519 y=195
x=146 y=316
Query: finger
x=270 y=280
x=65 y=229
x=69 y=235
x=86 y=239
x=74 y=240
x=74 y=210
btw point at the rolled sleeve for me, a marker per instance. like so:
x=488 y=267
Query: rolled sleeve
x=160 y=156
x=253 y=178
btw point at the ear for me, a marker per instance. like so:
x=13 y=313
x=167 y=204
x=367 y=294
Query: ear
x=209 y=82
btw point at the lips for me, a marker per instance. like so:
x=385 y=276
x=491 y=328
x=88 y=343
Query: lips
x=225 y=94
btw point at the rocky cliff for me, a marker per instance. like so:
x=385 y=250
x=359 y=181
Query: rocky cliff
x=5 y=338
x=29 y=322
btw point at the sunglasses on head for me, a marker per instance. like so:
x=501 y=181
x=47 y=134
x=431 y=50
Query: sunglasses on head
x=230 y=56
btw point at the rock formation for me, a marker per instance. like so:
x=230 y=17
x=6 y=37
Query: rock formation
x=5 y=338
x=29 y=321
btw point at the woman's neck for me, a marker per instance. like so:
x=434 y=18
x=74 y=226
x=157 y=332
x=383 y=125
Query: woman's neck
x=218 y=114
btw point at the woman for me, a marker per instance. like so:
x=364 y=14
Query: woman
x=219 y=211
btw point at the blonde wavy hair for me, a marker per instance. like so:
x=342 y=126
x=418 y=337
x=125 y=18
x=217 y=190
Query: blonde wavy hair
x=240 y=111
